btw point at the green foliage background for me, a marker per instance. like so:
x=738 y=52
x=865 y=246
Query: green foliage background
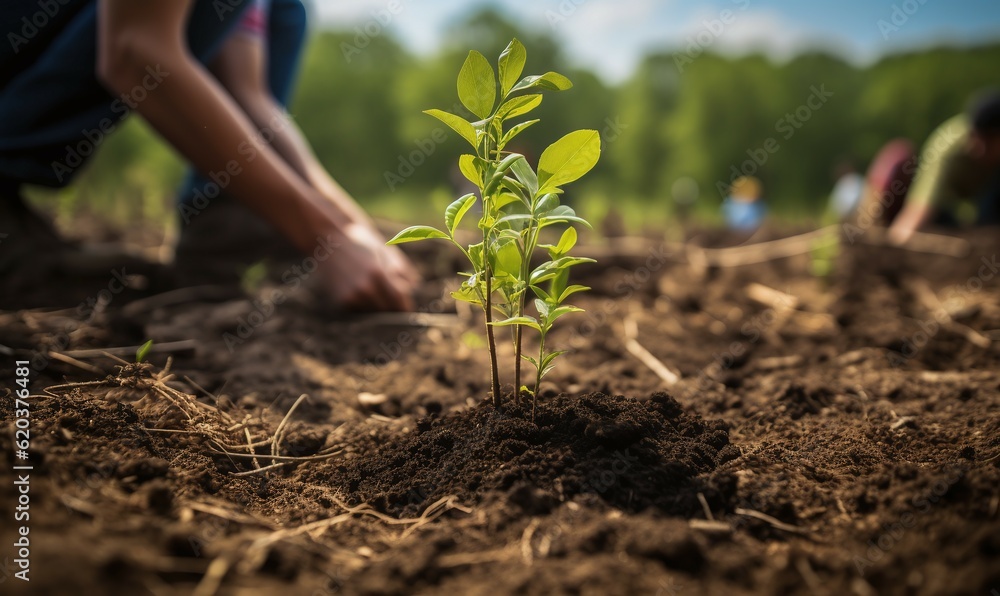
x=362 y=113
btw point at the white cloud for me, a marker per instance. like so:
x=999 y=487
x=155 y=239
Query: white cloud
x=416 y=23
x=765 y=31
x=606 y=36
x=350 y=11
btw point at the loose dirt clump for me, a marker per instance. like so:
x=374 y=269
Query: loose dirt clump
x=634 y=455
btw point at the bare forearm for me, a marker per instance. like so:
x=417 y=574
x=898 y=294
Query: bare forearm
x=910 y=220
x=192 y=112
x=287 y=140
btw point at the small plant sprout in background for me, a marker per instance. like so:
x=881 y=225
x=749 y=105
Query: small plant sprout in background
x=518 y=202
x=143 y=351
x=823 y=256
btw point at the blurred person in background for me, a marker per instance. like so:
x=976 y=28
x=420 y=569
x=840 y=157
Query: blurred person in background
x=847 y=190
x=888 y=179
x=213 y=78
x=959 y=167
x=744 y=209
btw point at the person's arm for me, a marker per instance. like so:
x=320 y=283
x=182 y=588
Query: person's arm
x=195 y=114
x=241 y=66
x=932 y=187
x=911 y=219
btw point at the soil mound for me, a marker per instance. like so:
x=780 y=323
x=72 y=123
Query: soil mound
x=634 y=455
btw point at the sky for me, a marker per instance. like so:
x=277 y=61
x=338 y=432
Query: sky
x=611 y=36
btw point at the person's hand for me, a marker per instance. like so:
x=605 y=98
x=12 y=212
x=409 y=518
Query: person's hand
x=362 y=273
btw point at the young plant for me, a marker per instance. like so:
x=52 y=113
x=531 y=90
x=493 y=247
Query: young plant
x=823 y=255
x=143 y=351
x=517 y=203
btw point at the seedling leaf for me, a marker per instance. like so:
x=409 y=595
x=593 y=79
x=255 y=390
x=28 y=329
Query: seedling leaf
x=457 y=210
x=568 y=159
x=525 y=175
x=508 y=260
x=550 y=269
x=476 y=256
x=467 y=165
x=553 y=81
x=566 y=243
x=518 y=106
x=499 y=172
x=542 y=294
x=547 y=203
x=526 y=321
x=505 y=199
x=467 y=294
x=477 y=87
x=547 y=361
x=511 y=64
x=143 y=351
x=460 y=125
x=561 y=311
x=563 y=213
x=570 y=291
x=415 y=233
x=514 y=131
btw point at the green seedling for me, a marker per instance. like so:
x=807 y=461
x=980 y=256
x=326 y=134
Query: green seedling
x=143 y=351
x=823 y=256
x=517 y=203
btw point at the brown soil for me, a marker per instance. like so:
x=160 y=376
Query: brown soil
x=849 y=446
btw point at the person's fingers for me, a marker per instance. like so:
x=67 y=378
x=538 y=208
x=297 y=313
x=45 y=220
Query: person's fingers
x=412 y=275
x=399 y=265
x=365 y=297
x=409 y=272
x=396 y=294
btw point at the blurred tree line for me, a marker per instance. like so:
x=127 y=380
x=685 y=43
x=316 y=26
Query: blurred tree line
x=709 y=117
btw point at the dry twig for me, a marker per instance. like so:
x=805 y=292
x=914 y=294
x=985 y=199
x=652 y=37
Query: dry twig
x=777 y=523
x=633 y=346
